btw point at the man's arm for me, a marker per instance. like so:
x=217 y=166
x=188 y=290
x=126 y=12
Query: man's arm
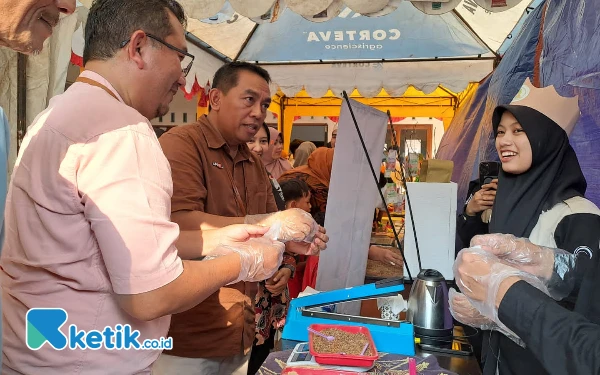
x=574 y=234
x=564 y=341
x=197 y=244
x=198 y=220
x=191 y=244
x=197 y=281
x=257 y=260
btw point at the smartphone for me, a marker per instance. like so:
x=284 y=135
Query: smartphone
x=301 y=355
x=488 y=171
x=456 y=348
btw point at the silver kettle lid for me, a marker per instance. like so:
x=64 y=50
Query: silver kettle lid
x=430 y=275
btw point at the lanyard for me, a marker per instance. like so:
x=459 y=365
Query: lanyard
x=236 y=193
x=97 y=84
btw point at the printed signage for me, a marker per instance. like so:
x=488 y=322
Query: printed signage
x=405 y=33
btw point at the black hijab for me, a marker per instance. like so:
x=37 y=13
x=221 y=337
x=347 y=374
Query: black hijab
x=554 y=176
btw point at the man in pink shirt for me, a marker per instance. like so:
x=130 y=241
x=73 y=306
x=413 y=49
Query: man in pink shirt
x=87 y=217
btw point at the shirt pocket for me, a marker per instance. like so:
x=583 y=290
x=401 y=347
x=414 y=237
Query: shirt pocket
x=256 y=196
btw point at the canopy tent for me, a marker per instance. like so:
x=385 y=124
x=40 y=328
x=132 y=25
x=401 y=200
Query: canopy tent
x=440 y=104
x=405 y=47
x=374 y=56
x=469 y=32
x=466 y=32
x=473 y=34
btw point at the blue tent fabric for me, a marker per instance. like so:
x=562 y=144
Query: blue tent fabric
x=469 y=139
x=460 y=140
x=569 y=61
x=405 y=33
x=510 y=37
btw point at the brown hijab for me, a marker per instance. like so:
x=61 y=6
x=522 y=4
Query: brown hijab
x=319 y=165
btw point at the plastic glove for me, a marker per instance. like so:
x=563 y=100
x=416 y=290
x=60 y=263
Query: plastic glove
x=260 y=257
x=555 y=267
x=295 y=224
x=479 y=275
x=463 y=311
x=318 y=244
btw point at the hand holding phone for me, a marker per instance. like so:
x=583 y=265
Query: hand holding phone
x=492 y=185
x=483 y=199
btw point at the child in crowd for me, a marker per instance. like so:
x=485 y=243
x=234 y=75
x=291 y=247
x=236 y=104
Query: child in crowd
x=297 y=195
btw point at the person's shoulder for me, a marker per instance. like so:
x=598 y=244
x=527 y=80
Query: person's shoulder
x=189 y=130
x=82 y=114
x=183 y=138
x=581 y=205
x=193 y=133
x=258 y=165
x=290 y=175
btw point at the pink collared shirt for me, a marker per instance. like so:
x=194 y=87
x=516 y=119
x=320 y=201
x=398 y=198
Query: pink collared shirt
x=87 y=216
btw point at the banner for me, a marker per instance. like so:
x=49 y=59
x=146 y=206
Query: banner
x=405 y=33
x=353 y=195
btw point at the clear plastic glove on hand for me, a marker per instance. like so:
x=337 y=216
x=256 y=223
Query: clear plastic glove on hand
x=479 y=274
x=295 y=224
x=463 y=311
x=554 y=267
x=318 y=244
x=260 y=257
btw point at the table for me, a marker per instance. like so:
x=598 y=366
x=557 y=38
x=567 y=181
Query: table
x=461 y=365
x=428 y=363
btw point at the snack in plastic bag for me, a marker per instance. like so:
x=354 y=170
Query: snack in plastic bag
x=295 y=225
x=260 y=257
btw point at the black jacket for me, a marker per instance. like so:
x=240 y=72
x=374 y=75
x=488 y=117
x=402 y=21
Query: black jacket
x=467 y=226
x=573 y=232
x=564 y=341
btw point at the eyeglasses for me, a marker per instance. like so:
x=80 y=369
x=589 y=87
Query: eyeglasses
x=188 y=59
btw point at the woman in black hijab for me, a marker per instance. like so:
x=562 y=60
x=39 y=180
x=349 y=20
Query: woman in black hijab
x=541 y=197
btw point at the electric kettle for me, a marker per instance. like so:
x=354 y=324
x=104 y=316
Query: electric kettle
x=428 y=308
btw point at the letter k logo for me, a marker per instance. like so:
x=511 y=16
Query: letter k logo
x=43 y=325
